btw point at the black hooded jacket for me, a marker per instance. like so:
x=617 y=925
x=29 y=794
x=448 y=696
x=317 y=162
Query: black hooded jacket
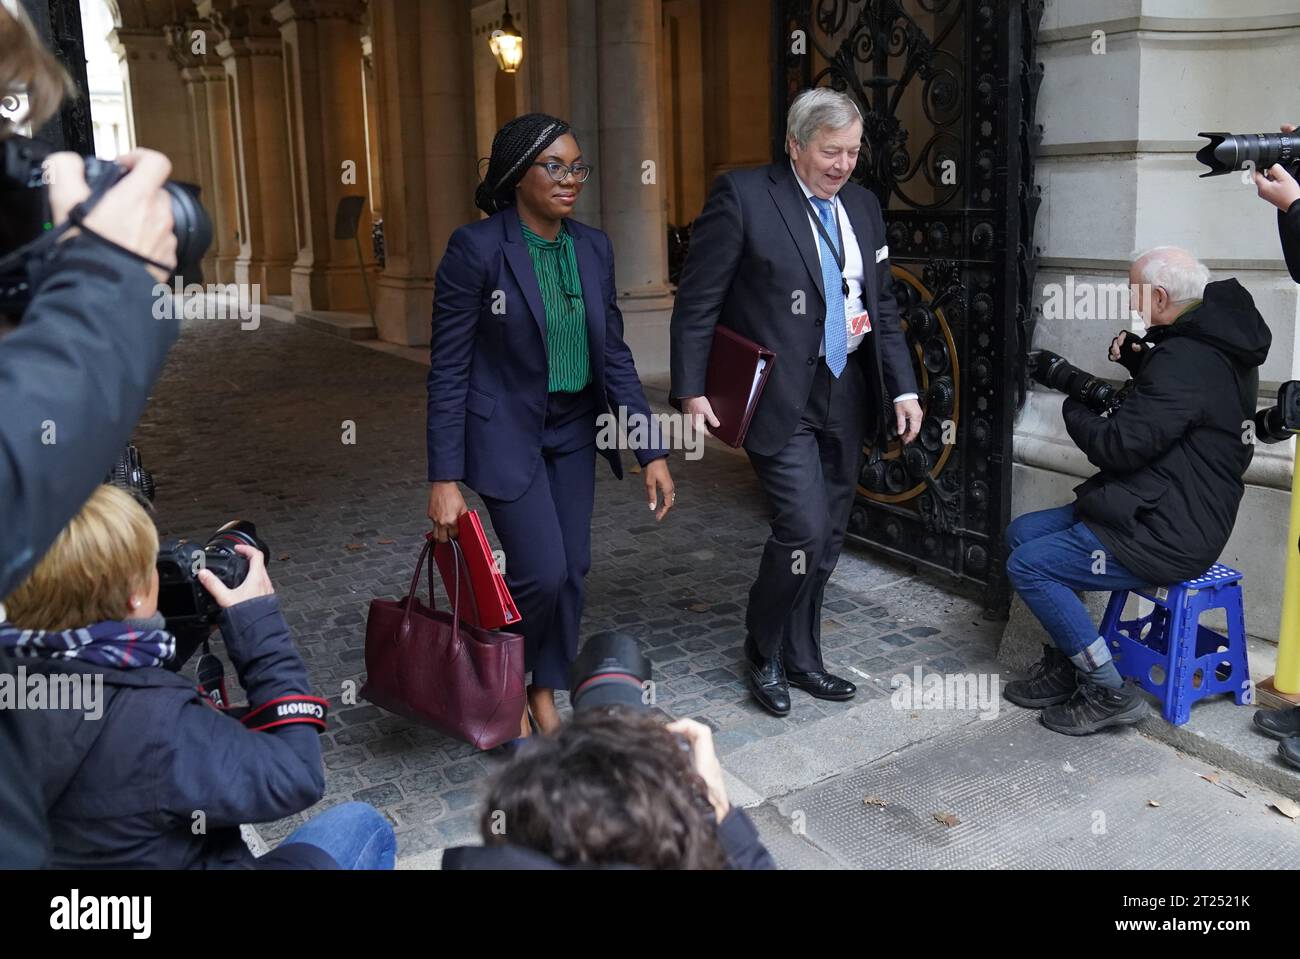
x=1172 y=457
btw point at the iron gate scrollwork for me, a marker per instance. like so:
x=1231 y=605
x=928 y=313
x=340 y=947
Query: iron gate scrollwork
x=947 y=90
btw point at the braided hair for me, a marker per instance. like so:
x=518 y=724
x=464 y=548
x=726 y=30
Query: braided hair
x=516 y=145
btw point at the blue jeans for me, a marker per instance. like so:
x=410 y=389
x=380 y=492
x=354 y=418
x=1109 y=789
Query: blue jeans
x=356 y=835
x=1053 y=554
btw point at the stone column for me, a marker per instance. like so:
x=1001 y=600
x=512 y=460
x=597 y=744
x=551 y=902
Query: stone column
x=322 y=58
x=210 y=84
x=584 y=105
x=156 y=100
x=250 y=52
x=421 y=51
x=373 y=151
x=205 y=89
x=631 y=191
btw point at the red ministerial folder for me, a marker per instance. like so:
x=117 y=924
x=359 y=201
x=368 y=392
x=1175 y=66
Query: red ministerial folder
x=491 y=605
x=737 y=372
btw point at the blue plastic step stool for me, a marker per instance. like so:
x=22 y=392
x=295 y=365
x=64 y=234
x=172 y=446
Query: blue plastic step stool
x=1170 y=654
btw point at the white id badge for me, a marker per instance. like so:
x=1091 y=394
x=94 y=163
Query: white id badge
x=857 y=323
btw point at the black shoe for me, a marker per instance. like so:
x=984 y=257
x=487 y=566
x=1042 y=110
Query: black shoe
x=1051 y=681
x=1093 y=707
x=1289 y=750
x=823 y=685
x=1278 y=723
x=766 y=680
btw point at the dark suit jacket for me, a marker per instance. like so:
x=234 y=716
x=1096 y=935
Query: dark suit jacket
x=488 y=378
x=751 y=249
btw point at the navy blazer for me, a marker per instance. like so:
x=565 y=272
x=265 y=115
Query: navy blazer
x=489 y=373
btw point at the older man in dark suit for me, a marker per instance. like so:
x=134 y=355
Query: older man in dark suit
x=793 y=256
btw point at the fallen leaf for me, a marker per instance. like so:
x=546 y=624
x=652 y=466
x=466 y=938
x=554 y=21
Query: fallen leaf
x=1152 y=802
x=946 y=819
x=1213 y=778
x=1287 y=808
x=284 y=557
x=385 y=542
x=699 y=607
x=874 y=801
x=355 y=546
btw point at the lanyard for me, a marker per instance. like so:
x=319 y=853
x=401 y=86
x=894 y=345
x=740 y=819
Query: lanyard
x=837 y=250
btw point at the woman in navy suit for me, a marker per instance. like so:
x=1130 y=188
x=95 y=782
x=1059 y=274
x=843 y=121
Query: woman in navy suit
x=527 y=351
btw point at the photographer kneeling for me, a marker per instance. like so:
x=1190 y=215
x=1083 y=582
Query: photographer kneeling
x=1172 y=457
x=146 y=771
x=616 y=787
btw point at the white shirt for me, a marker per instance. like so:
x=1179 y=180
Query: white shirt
x=854 y=268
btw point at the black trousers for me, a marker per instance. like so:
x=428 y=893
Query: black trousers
x=809 y=486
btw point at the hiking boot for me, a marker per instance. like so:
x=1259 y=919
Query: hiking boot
x=1278 y=723
x=1051 y=681
x=1093 y=708
x=1289 y=750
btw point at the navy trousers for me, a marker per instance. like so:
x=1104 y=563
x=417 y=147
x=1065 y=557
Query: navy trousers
x=546 y=537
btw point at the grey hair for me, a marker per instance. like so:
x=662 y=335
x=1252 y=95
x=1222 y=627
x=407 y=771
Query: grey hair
x=1178 y=271
x=815 y=109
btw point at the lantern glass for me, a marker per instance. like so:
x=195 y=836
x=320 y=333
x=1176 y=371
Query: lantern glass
x=508 y=47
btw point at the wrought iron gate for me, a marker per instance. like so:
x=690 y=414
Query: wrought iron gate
x=59 y=24
x=947 y=89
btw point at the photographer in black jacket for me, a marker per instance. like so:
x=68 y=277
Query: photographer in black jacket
x=1281 y=189
x=87 y=349
x=83 y=359
x=1172 y=459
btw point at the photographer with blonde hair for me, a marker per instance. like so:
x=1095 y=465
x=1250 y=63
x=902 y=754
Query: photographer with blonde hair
x=147 y=771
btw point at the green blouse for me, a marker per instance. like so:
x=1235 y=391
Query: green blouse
x=556 y=264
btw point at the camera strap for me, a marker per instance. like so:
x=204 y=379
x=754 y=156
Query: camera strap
x=77 y=217
x=295 y=708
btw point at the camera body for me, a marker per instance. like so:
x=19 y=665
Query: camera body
x=188 y=608
x=1279 y=423
x=25 y=216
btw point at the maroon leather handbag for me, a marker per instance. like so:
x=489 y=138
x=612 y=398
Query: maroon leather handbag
x=427 y=665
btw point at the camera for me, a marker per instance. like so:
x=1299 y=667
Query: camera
x=1057 y=373
x=1227 y=152
x=1281 y=422
x=25 y=216
x=611 y=670
x=188 y=608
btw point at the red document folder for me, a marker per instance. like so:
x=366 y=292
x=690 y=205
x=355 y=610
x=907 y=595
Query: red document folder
x=737 y=372
x=495 y=608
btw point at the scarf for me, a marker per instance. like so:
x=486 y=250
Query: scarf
x=132 y=644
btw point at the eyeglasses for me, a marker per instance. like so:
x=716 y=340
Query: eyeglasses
x=559 y=172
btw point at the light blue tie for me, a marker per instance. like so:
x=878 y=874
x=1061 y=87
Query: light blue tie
x=836 y=337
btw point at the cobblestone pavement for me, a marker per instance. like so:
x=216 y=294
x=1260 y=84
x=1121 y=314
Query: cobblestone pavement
x=251 y=424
